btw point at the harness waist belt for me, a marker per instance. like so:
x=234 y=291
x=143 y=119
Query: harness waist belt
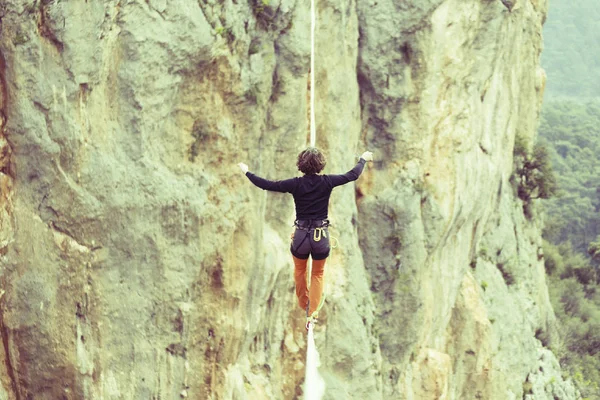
x=308 y=224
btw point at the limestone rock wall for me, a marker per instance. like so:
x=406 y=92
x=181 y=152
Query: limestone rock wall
x=137 y=262
x=460 y=290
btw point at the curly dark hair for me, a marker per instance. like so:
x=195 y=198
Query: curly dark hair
x=311 y=161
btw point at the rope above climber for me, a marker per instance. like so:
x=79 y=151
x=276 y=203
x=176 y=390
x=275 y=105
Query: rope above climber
x=311 y=194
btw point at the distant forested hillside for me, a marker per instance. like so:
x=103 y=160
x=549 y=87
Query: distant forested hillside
x=571 y=56
x=571 y=130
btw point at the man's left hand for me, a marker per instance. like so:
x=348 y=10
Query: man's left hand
x=243 y=167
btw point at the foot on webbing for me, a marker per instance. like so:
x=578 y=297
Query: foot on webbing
x=312 y=319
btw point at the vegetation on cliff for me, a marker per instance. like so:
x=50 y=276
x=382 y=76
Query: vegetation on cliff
x=533 y=177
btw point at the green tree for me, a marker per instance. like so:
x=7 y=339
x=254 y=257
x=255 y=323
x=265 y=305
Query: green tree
x=533 y=177
x=594 y=252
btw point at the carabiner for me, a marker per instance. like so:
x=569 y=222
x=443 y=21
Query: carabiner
x=316 y=237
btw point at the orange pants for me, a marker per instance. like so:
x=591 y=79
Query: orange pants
x=305 y=296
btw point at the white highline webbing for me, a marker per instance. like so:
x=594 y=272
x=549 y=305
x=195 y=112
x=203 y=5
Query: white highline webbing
x=314 y=385
x=313 y=126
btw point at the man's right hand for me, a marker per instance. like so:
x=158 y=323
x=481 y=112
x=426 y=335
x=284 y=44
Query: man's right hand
x=367 y=156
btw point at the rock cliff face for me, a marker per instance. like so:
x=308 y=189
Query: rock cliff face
x=137 y=262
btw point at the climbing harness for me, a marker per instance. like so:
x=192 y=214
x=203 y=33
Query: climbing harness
x=316 y=226
x=318 y=233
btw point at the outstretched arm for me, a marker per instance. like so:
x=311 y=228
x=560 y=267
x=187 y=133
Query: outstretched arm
x=354 y=173
x=285 y=186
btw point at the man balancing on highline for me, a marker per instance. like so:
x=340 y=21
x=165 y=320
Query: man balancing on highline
x=311 y=238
